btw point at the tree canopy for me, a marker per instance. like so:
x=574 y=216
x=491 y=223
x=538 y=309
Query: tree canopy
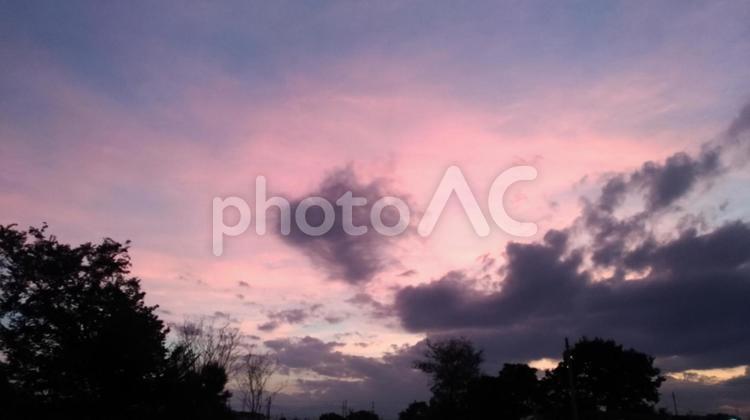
x=78 y=340
x=605 y=378
x=452 y=365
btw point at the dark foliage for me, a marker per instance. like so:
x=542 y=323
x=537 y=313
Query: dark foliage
x=78 y=341
x=609 y=382
x=362 y=415
x=354 y=415
x=192 y=391
x=453 y=365
x=512 y=394
x=418 y=410
x=606 y=379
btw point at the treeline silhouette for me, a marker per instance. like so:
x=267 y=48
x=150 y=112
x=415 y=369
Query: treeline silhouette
x=597 y=379
x=354 y=415
x=77 y=341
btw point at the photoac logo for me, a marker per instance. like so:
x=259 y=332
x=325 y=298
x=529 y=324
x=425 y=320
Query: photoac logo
x=452 y=182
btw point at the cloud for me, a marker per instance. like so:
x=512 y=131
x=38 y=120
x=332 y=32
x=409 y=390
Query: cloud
x=289 y=316
x=741 y=123
x=729 y=396
x=375 y=308
x=268 y=326
x=335 y=319
x=660 y=186
x=665 y=183
x=220 y=314
x=353 y=259
x=390 y=381
x=680 y=296
x=689 y=310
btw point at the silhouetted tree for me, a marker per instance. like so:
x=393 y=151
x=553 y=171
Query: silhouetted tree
x=513 y=394
x=519 y=390
x=191 y=390
x=482 y=398
x=211 y=342
x=75 y=333
x=453 y=364
x=608 y=380
x=77 y=340
x=254 y=381
x=418 y=410
x=331 y=416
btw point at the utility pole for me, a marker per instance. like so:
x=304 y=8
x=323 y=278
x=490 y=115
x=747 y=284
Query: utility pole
x=372 y=408
x=674 y=403
x=344 y=409
x=571 y=382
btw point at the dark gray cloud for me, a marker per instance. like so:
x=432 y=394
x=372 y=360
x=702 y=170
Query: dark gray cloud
x=690 y=310
x=354 y=259
x=335 y=319
x=268 y=326
x=289 y=316
x=702 y=396
x=664 y=183
x=661 y=186
x=390 y=381
x=375 y=308
x=531 y=269
x=220 y=314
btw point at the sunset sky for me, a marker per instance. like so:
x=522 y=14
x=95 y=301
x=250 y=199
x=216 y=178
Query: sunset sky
x=126 y=119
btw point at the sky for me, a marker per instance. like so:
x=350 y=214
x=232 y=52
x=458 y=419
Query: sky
x=126 y=120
